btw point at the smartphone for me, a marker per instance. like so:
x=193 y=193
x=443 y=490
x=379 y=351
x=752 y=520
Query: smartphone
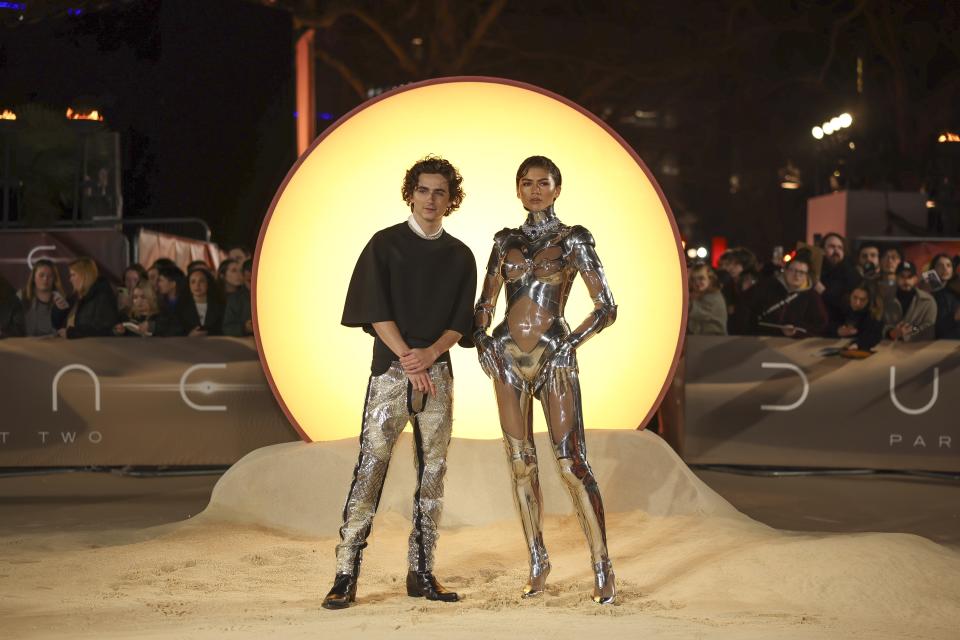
x=932 y=278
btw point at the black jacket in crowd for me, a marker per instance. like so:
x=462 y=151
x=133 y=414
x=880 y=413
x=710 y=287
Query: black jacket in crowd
x=838 y=281
x=150 y=319
x=96 y=314
x=948 y=301
x=805 y=310
x=12 y=323
x=212 y=324
x=182 y=317
x=869 y=329
x=237 y=312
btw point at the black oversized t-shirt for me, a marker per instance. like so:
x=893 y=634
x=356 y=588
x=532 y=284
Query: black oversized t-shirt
x=424 y=286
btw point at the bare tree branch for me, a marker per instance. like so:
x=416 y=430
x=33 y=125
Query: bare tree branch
x=355 y=83
x=405 y=61
x=486 y=21
x=835 y=34
x=327 y=21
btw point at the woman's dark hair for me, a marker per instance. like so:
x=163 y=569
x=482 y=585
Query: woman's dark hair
x=542 y=162
x=434 y=164
x=874 y=301
x=890 y=248
x=213 y=291
x=197 y=264
x=173 y=274
x=160 y=263
x=222 y=269
x=936 y=258
x=138 y=268
x=742 y=256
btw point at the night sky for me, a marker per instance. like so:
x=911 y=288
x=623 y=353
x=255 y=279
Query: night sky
x=717 y=98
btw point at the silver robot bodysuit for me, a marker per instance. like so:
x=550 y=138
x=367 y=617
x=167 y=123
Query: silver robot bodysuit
x=532 y=353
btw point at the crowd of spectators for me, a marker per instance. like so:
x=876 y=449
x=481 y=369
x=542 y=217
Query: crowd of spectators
x=823 y=291
x=158 y=301
x=817 y=292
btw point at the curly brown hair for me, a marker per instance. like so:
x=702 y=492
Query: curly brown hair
x=434 y=164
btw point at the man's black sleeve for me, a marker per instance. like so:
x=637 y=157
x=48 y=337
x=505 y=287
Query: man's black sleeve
x=368 y=296
x=462 y=320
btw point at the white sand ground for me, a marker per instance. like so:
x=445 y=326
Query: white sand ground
x=259 y=559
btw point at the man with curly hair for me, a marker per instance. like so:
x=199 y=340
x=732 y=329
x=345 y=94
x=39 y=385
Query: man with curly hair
x=412 y=290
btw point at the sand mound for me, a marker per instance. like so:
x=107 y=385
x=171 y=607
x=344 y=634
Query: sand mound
x=688 y=565
x=300 y=488
x=677 y=545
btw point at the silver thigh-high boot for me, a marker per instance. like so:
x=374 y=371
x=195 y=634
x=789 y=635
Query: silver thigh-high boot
x=522 y=456
x=564 y=413
x=578 y=476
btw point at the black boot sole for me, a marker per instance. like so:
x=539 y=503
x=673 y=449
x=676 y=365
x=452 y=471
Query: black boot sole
x=417 y=594
x=336 y=604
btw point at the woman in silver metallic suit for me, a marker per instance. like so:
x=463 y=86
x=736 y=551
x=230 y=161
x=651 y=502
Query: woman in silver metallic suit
x=532 y=353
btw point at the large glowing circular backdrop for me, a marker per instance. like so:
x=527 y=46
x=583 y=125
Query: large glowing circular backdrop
x=348 y=186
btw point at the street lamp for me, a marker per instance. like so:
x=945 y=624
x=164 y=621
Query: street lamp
x=832 y=125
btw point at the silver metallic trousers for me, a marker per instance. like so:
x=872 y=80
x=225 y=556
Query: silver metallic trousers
x=390 y=404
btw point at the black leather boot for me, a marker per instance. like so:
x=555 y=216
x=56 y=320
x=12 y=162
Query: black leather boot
x=344 y=592
x=424 y=585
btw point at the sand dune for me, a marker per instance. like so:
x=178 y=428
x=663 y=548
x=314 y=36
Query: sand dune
x=300 y=488
x=688 y=565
